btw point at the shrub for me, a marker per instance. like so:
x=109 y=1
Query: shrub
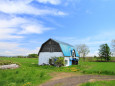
x=59 y=61
x=21 y=56
x=32 y=56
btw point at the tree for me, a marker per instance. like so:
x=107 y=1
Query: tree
x=32 y=56
x=83 y=50
x=104 y=52
x=113 y=46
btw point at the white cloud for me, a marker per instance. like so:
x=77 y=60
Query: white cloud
x=15 y=26
x=38 y=29
x=14 y=49
x=6 y=33
x=11 y=22
x=24 y=7
x=8 y=27
x=12 y=26
x=54 y=2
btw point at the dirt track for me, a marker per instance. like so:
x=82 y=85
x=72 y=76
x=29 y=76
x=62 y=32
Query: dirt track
x=75 y=80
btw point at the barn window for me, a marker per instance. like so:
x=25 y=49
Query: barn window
x=73 y=53
x=66 y=62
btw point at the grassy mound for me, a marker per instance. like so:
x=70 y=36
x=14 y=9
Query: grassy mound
x=5 y=62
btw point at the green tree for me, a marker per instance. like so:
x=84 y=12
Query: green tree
x=32 y=56
x=104 y=52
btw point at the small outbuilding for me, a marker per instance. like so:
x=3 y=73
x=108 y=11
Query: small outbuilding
x=53 y=48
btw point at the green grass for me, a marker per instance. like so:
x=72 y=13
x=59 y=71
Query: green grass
x=106 y=68
x=100 y=83
x=30 y=74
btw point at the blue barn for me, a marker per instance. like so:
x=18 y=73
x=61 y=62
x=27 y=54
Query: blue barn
x=54 y=48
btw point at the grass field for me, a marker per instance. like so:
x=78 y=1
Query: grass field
x=30 y=74
x=100 y=83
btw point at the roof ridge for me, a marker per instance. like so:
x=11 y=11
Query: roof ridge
x=62 y=42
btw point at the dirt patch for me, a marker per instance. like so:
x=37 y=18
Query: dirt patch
x=62 y=75
x=76 y=80
x=59 y=84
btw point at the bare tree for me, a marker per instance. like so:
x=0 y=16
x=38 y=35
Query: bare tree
x=83 y=50
x=113 y=46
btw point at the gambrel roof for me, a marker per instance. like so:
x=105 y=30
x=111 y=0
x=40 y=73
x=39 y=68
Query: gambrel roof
x=65 y=48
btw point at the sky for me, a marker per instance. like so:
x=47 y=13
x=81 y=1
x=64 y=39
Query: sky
x=26 y=24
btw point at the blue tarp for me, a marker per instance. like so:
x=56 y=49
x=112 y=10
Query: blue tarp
x=67 y=49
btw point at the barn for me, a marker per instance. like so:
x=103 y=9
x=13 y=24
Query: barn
x=54 y=48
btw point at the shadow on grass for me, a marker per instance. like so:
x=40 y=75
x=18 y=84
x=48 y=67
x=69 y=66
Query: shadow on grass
x=42 y=66
x=99 y=72
x=103 y=61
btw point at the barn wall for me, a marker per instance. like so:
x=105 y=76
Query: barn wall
x=44 y=56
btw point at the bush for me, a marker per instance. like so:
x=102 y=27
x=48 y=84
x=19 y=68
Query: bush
x=57 y=61
x=21 y=57
x=32 y=56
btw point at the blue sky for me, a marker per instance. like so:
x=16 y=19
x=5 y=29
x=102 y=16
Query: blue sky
x=26 y=24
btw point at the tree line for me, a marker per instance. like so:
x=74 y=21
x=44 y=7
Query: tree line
x=105 y=52
x=29 y=56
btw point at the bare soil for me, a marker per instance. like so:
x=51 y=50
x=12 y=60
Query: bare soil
x=71 y=79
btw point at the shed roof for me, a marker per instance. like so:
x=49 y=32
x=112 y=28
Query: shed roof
x=66 y=48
